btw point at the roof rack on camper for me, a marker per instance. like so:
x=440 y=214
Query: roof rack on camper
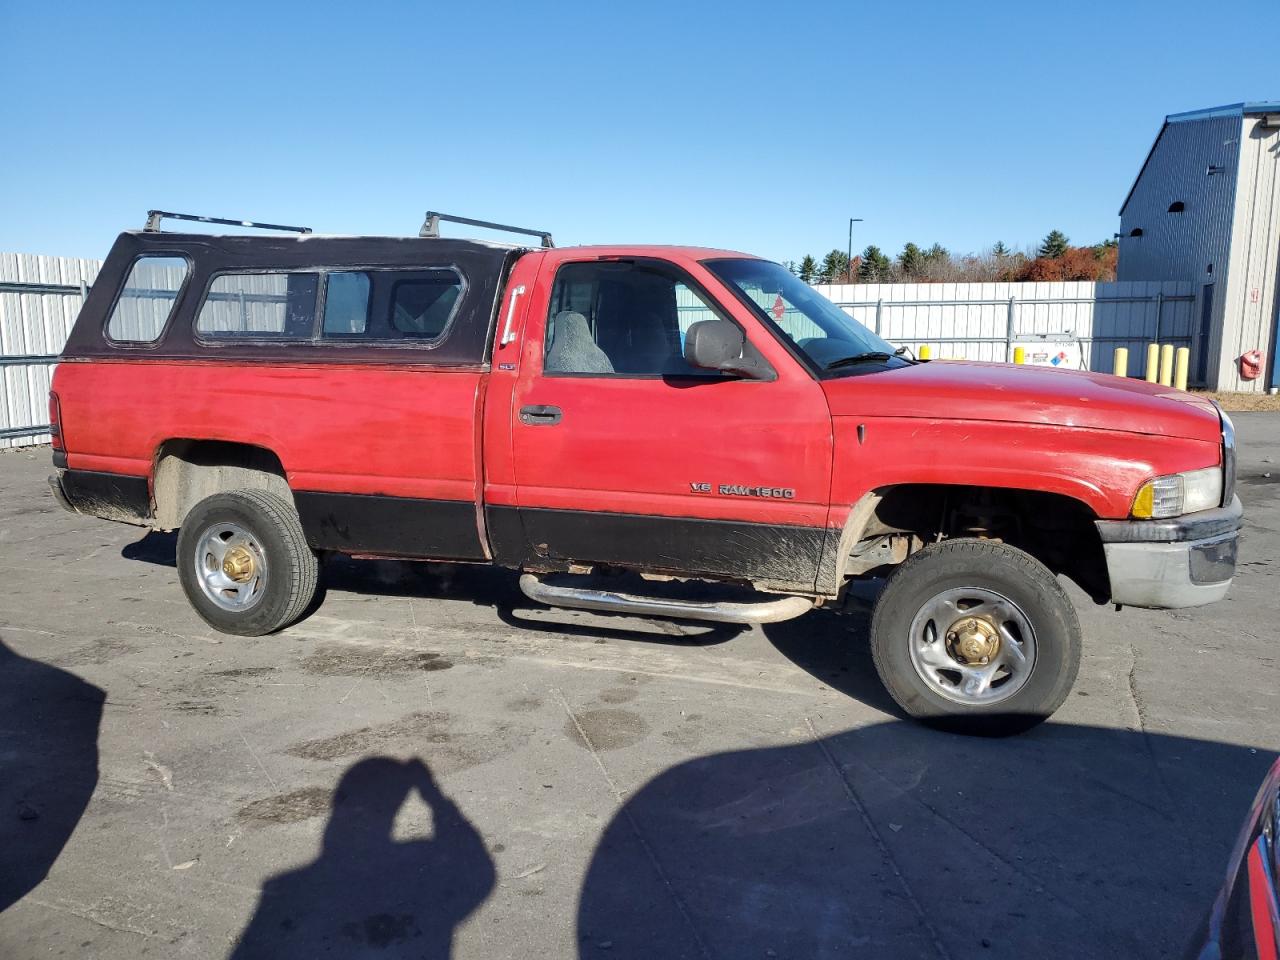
x=155 y=216
x=431 y=227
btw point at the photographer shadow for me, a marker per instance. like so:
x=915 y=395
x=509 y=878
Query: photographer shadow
x=368 y=893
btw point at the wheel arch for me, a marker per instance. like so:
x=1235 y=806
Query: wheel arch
x=1056 y=528
x=187 y=470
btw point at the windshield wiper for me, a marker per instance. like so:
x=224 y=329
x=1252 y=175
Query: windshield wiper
x=871 y=356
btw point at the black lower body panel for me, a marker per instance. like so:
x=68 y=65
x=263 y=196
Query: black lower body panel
x=112 y=496
x=390 y=526
x=783 y=556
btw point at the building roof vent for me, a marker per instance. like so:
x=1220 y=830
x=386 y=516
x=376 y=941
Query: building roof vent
x=1177 y=206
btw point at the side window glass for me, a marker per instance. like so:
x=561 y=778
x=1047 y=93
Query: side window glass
x=346 y=304
x=692 y=308
x=621 y=319
x=422 y=307
x=146 y=300
x=259 y=306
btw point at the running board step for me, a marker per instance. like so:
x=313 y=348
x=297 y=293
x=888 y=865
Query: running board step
x=772 y=610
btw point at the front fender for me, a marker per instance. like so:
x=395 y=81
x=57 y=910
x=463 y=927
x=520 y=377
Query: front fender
x=1103 y=469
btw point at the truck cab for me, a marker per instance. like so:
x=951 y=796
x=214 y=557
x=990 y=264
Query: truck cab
x=677 y=413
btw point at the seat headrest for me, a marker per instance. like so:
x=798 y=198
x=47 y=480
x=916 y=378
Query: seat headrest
x=572 y=323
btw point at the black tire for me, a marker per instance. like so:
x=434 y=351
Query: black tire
x=996 y=568
x=292 y=569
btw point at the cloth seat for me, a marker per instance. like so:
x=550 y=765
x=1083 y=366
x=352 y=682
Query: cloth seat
x=573 y=349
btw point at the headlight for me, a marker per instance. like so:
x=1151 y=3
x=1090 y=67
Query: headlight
x=1178 y=494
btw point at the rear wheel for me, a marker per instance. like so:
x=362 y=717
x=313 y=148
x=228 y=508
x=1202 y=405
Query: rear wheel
x=976 y=635
x=244 y=562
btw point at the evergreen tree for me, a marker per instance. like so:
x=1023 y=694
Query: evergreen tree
x=910 y=260
x=1054 y=245
x=835 y=267
x=808 y=269
x=936 y=256
x=875 y=266
x=999 y=251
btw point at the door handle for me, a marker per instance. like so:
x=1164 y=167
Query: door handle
x=539 y=415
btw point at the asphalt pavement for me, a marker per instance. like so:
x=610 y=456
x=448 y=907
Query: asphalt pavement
x=429 y=766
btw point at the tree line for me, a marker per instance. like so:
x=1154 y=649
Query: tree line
x=1054 y=259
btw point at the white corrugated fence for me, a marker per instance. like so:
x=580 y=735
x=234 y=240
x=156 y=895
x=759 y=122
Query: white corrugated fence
x=39 y=300
x=40 y=297
x=982 y=321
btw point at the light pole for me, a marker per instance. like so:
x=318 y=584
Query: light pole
x=848 y=257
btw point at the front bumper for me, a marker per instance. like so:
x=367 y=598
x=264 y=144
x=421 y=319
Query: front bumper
x=1187 y=561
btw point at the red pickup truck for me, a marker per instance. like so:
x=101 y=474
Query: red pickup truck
x=678 y=413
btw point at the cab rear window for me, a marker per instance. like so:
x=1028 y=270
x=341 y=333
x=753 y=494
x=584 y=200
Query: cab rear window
x=146 y=300
x=422 y=307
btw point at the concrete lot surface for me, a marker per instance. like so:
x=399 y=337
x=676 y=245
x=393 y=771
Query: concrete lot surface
x=429 y=764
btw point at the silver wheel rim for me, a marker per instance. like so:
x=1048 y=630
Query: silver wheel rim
x=972 y=646
x=230 y=566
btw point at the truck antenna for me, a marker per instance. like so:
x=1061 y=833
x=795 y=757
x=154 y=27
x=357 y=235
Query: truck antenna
x=431 y=227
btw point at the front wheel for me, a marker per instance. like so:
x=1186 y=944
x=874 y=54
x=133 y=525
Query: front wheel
x=245 y=564
x=976 y=635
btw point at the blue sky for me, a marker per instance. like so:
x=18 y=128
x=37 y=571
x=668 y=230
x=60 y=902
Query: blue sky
x=755 y=126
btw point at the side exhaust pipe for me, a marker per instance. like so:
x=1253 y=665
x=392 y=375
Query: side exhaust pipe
x=773 y=610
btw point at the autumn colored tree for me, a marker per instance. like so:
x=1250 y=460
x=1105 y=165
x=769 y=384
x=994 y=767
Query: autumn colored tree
x=1075 y=263
x=1108 y=257
x=1009 y=267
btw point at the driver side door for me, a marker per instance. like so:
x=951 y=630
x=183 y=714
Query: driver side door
x=625 y=454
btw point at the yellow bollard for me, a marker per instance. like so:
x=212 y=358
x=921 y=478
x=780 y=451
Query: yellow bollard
x=1153 y=361
x=1019 y=355
x=924 y=351
x=1121 y=365
x=1166 y=365
x=1181 y=363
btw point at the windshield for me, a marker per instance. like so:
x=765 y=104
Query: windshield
x=819 y=329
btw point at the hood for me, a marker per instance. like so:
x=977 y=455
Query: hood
x=959 y=390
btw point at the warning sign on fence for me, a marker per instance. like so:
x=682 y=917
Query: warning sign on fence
x=1052 y=350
